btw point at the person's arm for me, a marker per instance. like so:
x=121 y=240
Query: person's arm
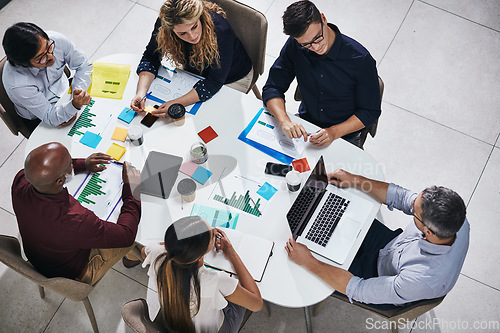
x=247 y=293
x=375 y=188
x=187 y=99
x=147 y=68
x=367 y=92
x=280 y=77
x=325 y=136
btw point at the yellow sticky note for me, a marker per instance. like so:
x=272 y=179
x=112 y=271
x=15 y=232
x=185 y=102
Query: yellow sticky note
x=149 y=108
x=119 y=134
x=116 y=151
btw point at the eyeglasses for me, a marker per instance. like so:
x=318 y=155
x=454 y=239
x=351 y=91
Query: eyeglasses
x=50 y=50
x=316 y=40
x=412 y=211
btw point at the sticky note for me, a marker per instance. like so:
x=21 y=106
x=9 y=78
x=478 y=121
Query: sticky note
x=149 y=108
x=301 y=165
x=201 y=175
x=188 y=168
x=267 y=191
x=127 y=115
x=91 y=139
x=119 y=134
x=116 y=151
x=208 y=134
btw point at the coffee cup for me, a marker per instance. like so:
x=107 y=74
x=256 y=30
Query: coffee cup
x=293 y=180
x=187 y=189
x=177 y=113
x=135 y=136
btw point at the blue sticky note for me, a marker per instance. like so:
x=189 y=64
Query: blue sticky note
x=91 y=139
x=267 y=191
x=201 y=175
x=127 y=116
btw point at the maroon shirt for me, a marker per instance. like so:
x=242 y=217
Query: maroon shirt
x=58 y=232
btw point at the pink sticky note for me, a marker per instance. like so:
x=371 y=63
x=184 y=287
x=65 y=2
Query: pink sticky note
x=188 y=168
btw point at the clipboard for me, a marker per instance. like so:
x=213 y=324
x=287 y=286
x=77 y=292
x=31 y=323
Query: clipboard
x=254 y=251
x=159 y=174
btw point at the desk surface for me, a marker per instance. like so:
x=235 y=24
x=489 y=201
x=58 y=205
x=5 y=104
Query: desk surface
x=228 y=112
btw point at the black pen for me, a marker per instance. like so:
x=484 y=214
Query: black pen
x=119 y=163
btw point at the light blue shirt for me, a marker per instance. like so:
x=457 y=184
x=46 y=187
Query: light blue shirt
x=35 y=91
x=410 y=268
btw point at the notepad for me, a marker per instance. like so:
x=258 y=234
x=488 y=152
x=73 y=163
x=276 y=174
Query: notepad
x=267 y=191
x=201 y=175
x=119 y=134
x=254 y=251
x=208 y=134
x=188 y=168
x=91 y=139
x=116 y=151
x=127 y=115
x=301 y=165
x=149 y=108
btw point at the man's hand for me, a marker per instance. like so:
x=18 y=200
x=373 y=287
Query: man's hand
x=299 y=253
x=132 y=176
x=80 y=98
x=94 y=161
x=66 y=123
x=293 y=130
x=324 y=136
x=342 y=178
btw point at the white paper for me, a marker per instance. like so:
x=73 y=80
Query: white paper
x=267 y=131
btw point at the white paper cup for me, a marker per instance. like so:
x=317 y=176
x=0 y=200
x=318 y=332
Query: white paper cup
x=293 y=180
x=135 y=136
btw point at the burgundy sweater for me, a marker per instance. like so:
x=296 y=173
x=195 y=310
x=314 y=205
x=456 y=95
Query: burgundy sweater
x=58 y=232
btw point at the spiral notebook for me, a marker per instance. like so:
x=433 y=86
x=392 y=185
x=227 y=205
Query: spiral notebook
x=254 y=251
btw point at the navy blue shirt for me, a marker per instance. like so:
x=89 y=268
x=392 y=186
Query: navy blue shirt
x=234 y=61
x=334 y=86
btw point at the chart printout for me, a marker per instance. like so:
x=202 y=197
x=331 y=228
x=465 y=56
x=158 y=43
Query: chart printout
x=101 y=192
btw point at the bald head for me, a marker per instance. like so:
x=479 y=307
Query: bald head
x=46 y=166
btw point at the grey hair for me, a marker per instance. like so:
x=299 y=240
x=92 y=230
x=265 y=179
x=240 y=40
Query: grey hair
x=443 y=211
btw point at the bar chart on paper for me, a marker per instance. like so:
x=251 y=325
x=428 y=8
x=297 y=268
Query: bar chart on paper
x=239 y=192
x=97 y=117
x=101 y=192
x=83 y=122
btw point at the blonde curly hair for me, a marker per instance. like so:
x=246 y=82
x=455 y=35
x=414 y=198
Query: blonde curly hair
x=203 y=54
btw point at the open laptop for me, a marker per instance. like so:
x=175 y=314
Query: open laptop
x=326 y=218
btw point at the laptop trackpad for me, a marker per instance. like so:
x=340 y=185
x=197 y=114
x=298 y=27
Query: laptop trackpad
x=348 y=228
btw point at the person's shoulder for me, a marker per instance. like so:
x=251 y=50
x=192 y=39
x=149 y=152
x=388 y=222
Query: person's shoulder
x=355 y=48
x=220 y=23
x=56 y=36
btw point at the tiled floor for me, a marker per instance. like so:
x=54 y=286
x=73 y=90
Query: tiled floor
x=440 y=125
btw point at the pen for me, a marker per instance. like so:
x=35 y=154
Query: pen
x=218 y=236
x=146 y=96
x=119 y=163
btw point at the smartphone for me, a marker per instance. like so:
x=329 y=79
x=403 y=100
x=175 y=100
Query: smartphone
x=277 y=169
x=149 y=120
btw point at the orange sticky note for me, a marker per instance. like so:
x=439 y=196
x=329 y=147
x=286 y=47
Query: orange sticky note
x=119 y=134
x=116 y=151
x=301 y=165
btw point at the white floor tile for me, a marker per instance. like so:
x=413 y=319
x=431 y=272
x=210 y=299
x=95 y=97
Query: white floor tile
x=153 y=4
x=483 y=213
x=9 y=169
x=9 y=142
x=445 y=68
x=485 y=12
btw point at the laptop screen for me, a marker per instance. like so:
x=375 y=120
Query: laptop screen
x=318 y=178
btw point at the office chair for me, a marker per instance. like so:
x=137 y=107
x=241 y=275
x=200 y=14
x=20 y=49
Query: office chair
x=8 y=112
x=136 y=315
x=394 y=316
x=10 y=255
x=250 y=26
x=372 y=129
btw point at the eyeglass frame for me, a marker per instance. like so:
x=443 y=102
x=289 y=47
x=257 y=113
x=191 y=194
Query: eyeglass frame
x=47 y=52
x=316 y=40
x=412 y=211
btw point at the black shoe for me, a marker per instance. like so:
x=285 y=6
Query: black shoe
x=130 y=263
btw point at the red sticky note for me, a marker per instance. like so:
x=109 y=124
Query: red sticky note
x=301 y=165
x=208 y=134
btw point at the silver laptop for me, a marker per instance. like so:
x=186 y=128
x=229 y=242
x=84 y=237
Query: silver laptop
x=326 y=218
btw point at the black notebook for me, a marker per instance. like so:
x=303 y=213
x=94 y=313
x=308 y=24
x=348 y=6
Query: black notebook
x=159 y=174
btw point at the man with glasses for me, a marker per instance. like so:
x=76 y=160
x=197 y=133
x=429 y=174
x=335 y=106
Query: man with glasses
x=34 y=76
x=336 y=75
x=398 y=267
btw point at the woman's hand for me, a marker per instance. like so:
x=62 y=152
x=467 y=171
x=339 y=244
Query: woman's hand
x=222 y=243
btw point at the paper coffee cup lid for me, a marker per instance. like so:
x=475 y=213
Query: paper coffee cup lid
x=176 y=111
x=293 y=177
x=186 y=186
x=134 y=132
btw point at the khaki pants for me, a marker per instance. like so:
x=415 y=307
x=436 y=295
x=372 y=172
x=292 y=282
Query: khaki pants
x=242 y=84
x=101 y=260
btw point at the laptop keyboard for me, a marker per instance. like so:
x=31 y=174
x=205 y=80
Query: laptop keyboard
x=299 y=208
x=327 y=219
